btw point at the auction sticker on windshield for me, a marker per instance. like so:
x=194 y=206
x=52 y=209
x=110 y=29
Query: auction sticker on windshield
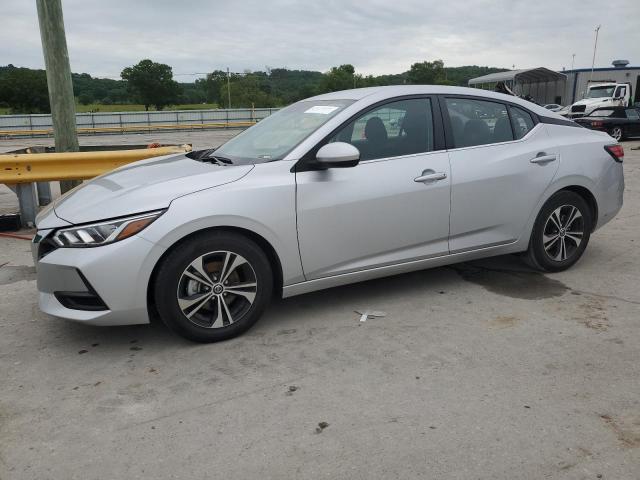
x=323 y=109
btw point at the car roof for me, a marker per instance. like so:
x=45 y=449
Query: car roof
x=380 y=93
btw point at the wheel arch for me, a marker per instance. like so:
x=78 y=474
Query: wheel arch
x=575 y=185
x=588 y=197
x=263 y=243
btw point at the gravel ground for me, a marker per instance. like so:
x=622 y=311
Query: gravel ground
x=482 y=370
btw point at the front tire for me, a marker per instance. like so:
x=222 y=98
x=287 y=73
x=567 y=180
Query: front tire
x=213 y=286
x=561 y=232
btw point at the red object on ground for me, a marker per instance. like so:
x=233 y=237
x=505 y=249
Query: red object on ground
x=13 y=235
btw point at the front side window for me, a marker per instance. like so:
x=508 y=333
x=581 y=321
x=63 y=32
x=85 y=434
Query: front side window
x=478 y=122
x=521 y=121
x=275 y=136
x=394 y=129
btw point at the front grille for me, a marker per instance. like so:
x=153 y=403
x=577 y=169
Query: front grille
x=578 y=108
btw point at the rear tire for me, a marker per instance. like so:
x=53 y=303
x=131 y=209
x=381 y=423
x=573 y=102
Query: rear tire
x=213 y=286
x=617 y=133
x=561 y=233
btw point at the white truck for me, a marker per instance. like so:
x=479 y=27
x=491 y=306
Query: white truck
x=601 y=94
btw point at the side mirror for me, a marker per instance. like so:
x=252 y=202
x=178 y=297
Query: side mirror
x=338 y=155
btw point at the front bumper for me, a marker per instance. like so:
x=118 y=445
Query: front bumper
x=117 y=274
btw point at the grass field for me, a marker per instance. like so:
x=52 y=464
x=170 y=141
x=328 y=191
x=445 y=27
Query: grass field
x=130 y=107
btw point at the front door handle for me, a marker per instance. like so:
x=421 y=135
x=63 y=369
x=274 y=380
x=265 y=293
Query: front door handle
x=429 y=176
x=543 y=158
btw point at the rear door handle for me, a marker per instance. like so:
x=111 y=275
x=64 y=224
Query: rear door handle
x=429 y=176
x=544 y=158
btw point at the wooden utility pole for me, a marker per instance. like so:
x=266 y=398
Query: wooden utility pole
x=56 y=61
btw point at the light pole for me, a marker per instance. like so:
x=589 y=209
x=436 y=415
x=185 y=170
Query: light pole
x=228 y=88
x=573 y=59
x=56 y=61
x=595 y=46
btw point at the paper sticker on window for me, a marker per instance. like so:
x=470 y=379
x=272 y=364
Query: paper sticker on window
x=322 y=109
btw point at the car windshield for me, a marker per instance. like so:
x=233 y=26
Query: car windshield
x=600 y=92
x=275 y=136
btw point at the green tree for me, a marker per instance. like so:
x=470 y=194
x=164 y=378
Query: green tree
x=152 y=84
x=211 y=85
x=249 y=90
x=462 y=75
x=84 y=99
x=427 y=73
x=24 y=90
x=340 y=78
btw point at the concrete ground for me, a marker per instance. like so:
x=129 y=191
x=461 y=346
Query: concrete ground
x=479 y=371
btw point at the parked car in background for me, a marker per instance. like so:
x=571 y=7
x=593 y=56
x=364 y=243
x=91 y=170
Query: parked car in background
x=336 y=189
x=619 y=122
x=602 y=94
x=554 y=107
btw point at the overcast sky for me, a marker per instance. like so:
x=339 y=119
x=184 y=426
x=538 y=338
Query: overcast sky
x=376 y=36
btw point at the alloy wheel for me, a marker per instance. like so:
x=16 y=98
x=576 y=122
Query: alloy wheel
x=616 y=133
x=563 y=233
x=217 y=289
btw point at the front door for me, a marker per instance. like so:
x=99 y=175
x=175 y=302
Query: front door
x=391 y=208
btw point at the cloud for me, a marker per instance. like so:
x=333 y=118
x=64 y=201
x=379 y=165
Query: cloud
x=376 y=36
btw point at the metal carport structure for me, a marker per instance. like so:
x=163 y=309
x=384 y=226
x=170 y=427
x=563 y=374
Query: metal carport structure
x=542 y=84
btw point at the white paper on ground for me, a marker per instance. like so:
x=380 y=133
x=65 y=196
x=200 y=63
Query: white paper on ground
x=369 y=313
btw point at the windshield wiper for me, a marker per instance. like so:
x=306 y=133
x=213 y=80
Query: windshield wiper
x=221 y=160
x=208 y=156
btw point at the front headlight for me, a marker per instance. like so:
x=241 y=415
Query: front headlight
x=102 y=233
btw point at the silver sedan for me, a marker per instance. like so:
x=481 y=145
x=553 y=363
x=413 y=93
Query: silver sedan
x=336 y=189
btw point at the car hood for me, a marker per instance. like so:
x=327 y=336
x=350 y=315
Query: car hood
x=142 y=186
x=591 y=101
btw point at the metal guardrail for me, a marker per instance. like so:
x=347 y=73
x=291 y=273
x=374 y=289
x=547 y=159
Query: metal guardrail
x=122 y=122
x=47 y=167
x=133 y=129
x=21 y=171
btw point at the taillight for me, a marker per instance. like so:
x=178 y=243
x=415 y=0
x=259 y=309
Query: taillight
x=597 y=124
x=616 y=151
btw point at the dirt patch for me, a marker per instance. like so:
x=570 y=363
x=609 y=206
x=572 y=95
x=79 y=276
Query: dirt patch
x=516 y=284
x=13 y=274
x=629 y=435
x=503 y=321
x=593 y=315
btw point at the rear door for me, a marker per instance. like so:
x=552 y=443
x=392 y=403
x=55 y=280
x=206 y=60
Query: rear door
x=501 y=163
x=391 y=208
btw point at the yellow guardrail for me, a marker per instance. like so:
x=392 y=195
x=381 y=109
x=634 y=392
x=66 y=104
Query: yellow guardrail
x=46 y=167
x=133 y=128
